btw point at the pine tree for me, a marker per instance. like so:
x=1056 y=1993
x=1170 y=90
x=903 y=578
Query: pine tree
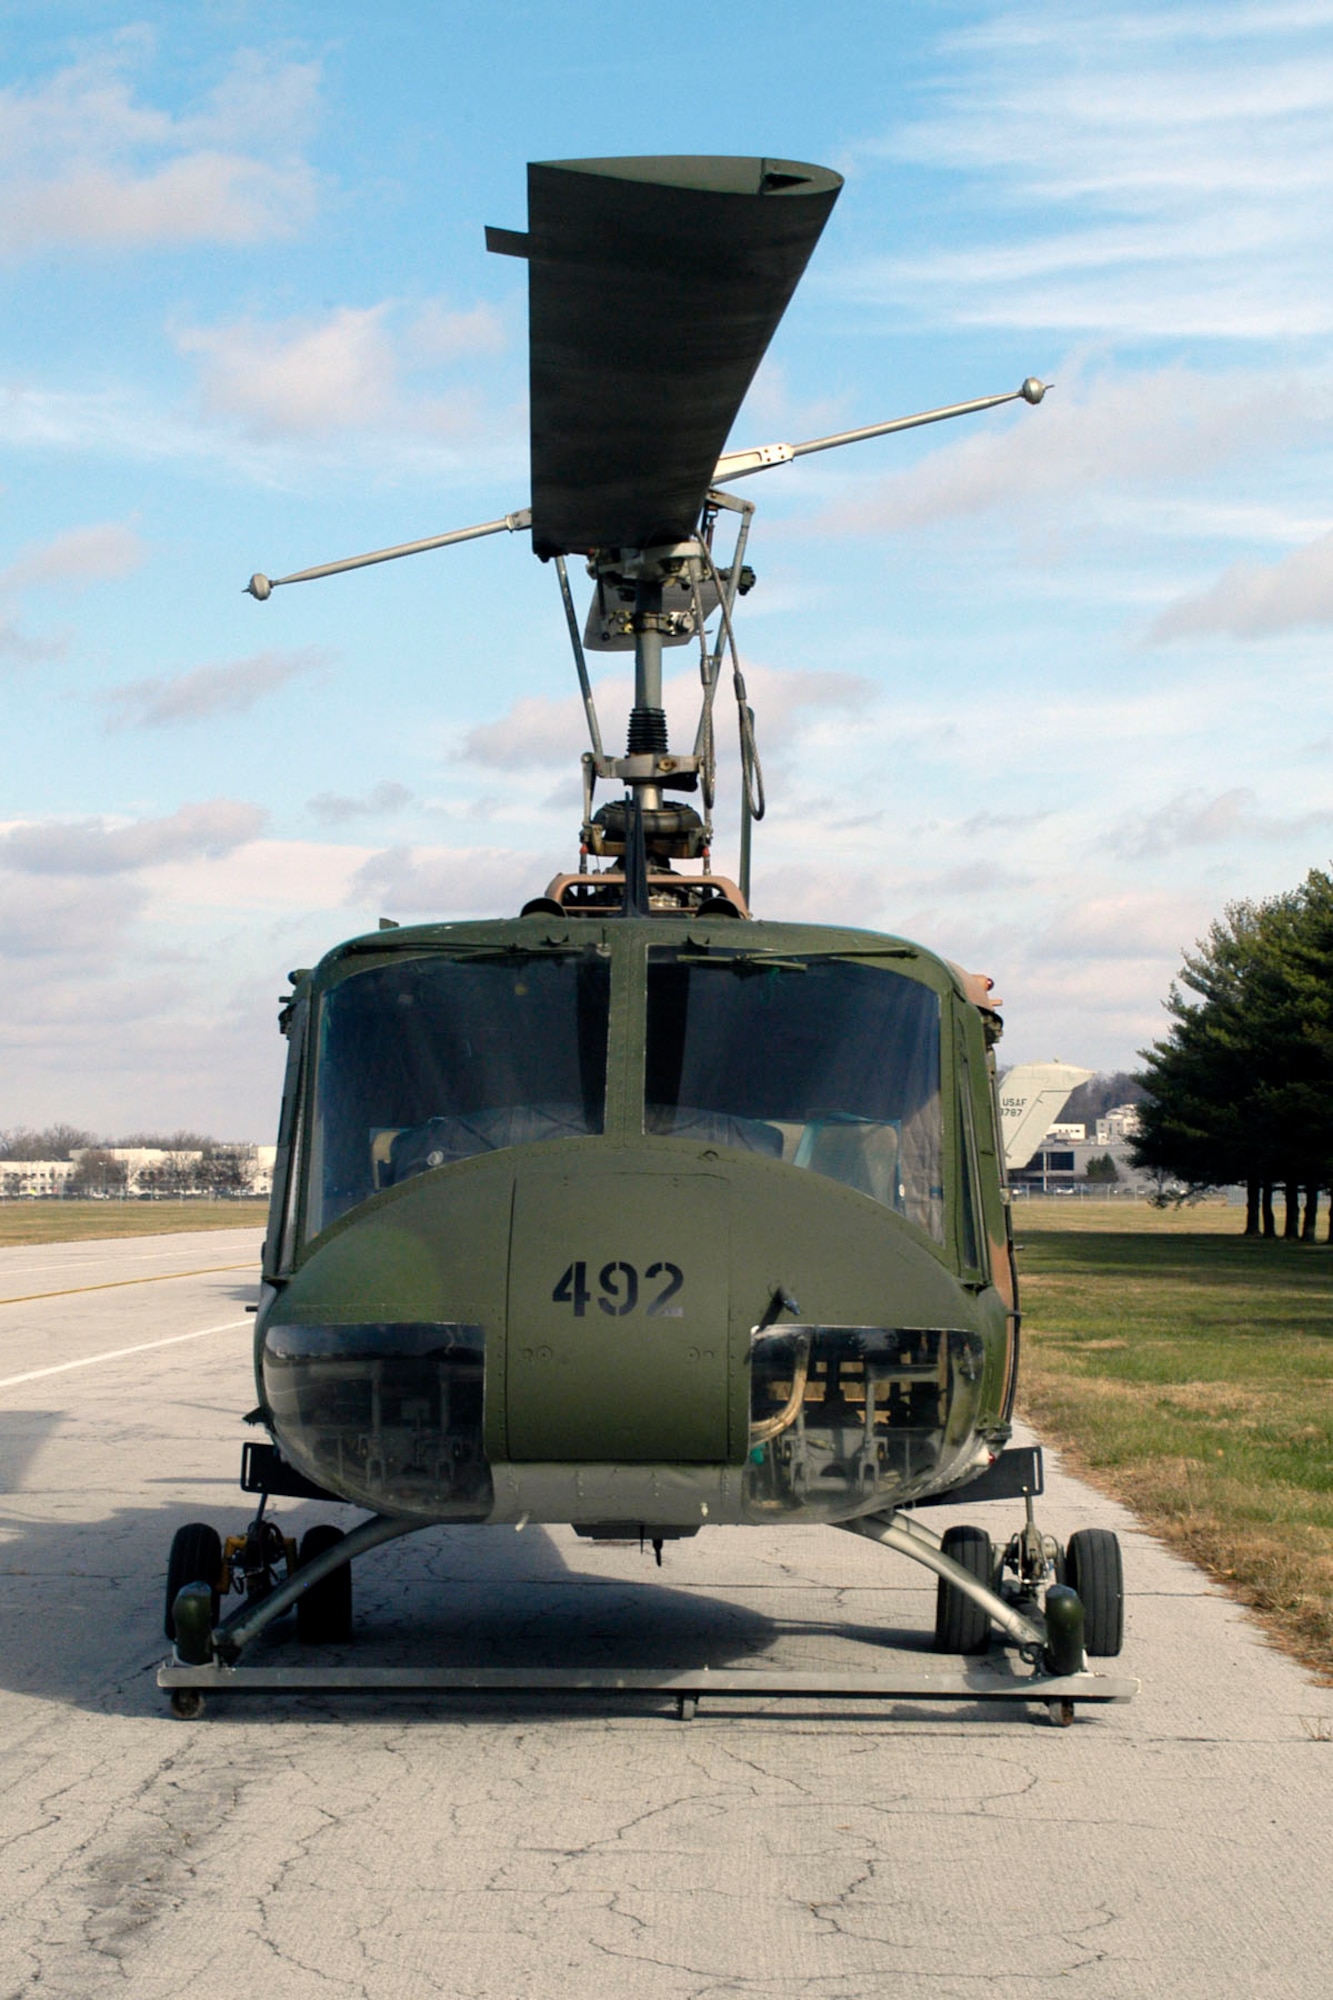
x=1241 y=1088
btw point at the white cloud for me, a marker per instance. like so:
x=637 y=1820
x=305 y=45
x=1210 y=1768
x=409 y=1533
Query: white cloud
x=229 y=689
x=77 y=557
x=549 y=731
x=1120 y=924
x=302 y=881
x=296 y=377
x=443 y=882
x=16 y=644
x=1151 y=431
x=1193 y=819
x=1195 y=153
x=335 y=808
x=1255 y=600
x=208 y=830
x=126 y=427
x=356 y=369
x=438 y=334
x=540 y=731
x=85 y=161
x=78 y=923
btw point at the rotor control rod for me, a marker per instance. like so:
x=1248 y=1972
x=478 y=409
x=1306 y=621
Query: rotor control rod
x=740 y=464
x=260 y=587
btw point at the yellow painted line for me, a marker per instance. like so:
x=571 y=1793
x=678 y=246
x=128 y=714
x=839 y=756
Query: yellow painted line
x=115 y=1284
x=119 y=1353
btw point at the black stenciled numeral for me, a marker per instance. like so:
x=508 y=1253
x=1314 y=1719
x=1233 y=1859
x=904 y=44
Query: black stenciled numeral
x=611 y=1301
x=658 y=1308
x=573 y=1290
x=618 y=1295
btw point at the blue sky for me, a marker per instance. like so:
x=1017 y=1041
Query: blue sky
x=1045 y=689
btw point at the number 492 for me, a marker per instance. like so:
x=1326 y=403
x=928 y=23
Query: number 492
x=618 y=1290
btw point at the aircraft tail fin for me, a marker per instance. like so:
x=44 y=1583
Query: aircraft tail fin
x=1032 y=1096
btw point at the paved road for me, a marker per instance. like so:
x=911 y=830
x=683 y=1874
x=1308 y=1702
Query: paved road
x=1176 y=1847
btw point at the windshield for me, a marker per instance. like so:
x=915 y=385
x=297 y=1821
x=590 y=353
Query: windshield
x=425 y=1062
x=821 y=1063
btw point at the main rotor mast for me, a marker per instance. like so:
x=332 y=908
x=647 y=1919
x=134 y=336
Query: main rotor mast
x=635 y=385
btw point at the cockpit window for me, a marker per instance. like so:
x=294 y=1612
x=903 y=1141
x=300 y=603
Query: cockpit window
x=823 y=1063
x=426 y=1062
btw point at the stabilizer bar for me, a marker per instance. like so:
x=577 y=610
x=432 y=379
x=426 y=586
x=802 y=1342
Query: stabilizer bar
x=740 y=464
x=260 y=587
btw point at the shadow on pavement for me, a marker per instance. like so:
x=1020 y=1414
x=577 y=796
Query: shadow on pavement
x=82 y=1606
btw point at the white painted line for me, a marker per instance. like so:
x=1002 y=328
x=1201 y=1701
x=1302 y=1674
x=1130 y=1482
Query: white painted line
x=117 y=1353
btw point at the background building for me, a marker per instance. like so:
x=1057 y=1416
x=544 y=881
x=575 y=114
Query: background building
x=1071 y=1157
x=142 y=1173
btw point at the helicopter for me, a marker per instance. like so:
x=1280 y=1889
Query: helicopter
x=637 y=1211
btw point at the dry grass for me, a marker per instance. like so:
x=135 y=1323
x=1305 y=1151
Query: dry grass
x=80 y=1221
x=1192 y=1377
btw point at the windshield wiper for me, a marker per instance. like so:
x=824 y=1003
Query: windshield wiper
x=479 y=951
x=772 y=961
x=742 y=962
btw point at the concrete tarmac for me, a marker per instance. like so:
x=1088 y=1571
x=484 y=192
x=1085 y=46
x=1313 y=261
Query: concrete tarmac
x=366 y=1850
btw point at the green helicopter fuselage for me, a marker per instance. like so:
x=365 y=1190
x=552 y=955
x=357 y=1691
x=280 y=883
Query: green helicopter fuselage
x=637 y=1224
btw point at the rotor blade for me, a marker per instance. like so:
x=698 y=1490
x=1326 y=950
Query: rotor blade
x=655 y=286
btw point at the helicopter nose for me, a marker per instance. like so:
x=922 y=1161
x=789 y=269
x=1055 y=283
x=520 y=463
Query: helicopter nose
x=616 y=1342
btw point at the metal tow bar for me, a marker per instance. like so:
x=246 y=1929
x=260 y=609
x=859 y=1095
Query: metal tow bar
x=988 y=1680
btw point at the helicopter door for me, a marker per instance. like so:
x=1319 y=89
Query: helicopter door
x=618 y=1314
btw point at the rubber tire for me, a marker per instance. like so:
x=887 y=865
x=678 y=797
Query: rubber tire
x=1093 y=1568
x=196 y=1557
x=324 y=1612
x=961 y=1626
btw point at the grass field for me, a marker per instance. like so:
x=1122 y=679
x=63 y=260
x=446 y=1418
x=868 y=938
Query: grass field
x=1189 y=1372
x=1065 y=1212
x=77 y=1221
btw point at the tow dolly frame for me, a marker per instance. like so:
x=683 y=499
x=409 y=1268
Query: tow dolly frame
x=1034 y=1677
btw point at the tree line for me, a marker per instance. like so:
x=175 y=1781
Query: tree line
x=1240 y=1090
x=198 y=1164
x=62 y=1142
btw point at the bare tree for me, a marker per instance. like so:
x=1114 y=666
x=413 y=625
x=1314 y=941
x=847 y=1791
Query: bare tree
x=96 y=1172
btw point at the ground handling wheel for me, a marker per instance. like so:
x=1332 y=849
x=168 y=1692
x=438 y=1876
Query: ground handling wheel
x=961 y=1626
x=196 y=1557
x=324 y=1612
x=1093 y=1568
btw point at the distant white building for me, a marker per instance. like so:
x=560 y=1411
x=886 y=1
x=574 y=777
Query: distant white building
x=1119 y=1125
x=137 y=1159
x=157 y=1170
x=30 y=1179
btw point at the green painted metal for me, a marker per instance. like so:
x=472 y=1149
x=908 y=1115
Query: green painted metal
x=540 y=1245
x=1064 y=1630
